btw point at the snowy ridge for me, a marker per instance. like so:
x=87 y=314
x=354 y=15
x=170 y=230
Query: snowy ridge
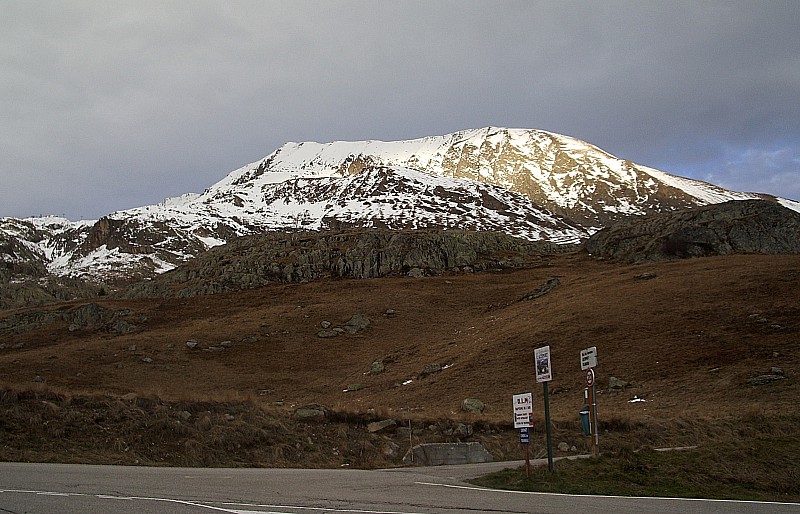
x=703 y=191
x=532 y=184
x=560 y=173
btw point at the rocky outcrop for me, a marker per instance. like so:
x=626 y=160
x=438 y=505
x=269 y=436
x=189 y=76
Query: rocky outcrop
x=749 y=226
x=255 y=261
x=543 y=289
x=91 y=316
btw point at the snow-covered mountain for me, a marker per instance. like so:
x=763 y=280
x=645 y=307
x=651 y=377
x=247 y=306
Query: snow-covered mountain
x=565 y=175
x=532 y=184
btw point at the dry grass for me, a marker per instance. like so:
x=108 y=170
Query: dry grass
x=687 y=341
x=748 y=459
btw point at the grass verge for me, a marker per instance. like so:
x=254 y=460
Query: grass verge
x=752 y=459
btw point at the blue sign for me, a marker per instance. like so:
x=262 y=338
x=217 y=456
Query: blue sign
x=524 y=435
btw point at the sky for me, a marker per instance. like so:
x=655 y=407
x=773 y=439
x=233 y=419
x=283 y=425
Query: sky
x=106 y=106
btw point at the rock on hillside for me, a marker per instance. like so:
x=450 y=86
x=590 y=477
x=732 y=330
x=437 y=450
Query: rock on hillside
x=253 y=261
x=749 y=226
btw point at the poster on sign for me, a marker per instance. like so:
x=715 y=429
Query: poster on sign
x=523 y=408
x=544 y=371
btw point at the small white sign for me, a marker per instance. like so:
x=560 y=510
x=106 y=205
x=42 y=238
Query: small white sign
x=589 y=358
x=541 y=357
x=523 y=408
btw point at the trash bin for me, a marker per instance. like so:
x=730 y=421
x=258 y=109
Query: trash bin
x=584 y=414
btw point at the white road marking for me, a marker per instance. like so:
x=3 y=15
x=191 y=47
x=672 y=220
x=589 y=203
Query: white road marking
x=322 y=509
x=487 y=490
x=229 y=507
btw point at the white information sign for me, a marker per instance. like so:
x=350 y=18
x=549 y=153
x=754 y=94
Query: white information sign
x=523 y=408
x=541 y=357
x=589 y=358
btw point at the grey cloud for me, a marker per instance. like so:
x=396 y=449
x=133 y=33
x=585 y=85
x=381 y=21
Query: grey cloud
x=129 y=102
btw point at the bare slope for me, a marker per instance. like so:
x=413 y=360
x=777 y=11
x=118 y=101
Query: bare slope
x=688 y=337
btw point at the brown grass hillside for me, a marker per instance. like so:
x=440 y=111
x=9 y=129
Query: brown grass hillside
x=687 y=339
x=687 y=336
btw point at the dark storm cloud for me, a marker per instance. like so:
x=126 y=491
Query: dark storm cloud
x=111 y=105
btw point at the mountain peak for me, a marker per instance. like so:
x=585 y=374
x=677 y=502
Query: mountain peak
x=532 y=184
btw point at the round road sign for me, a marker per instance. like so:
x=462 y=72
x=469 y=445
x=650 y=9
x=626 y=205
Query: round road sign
x=589 y=377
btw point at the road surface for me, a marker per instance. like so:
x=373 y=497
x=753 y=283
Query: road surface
x=62 y=488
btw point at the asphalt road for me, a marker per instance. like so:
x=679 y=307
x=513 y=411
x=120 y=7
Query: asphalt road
x=62 y=488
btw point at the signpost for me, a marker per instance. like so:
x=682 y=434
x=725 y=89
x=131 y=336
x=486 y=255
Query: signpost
x=588 y=363
x=589 y=358
x=544 y=374
x=523 y=408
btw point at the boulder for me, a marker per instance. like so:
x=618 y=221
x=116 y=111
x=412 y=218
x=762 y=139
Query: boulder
x=377 y=368
x=325 y=334
x=462 y=430
x=387 y=425
x=616 y=384
x=430 y=369
x=391 y=449
x=765 y=379
x=472 y=405
x=311 y=412
x=357 y=323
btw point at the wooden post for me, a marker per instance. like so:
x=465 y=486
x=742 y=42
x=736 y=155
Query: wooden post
x=527 y=460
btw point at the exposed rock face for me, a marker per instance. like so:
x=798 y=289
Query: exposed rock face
x=278 y=258
x=24 y=277
x=749 y=226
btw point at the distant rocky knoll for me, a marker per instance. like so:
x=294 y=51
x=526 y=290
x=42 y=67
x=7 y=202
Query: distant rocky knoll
x=253 y=261
x=91 y=316
x=748 y=226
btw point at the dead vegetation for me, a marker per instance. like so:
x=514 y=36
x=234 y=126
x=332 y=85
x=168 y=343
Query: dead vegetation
x=687 y=341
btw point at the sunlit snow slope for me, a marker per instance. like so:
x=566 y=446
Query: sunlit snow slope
x=529 y=183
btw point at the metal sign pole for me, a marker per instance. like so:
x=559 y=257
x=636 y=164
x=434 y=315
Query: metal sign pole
x=593 y=432
x=548 y=429
x=588 y=363
x=596 y=445
x=544 y=374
